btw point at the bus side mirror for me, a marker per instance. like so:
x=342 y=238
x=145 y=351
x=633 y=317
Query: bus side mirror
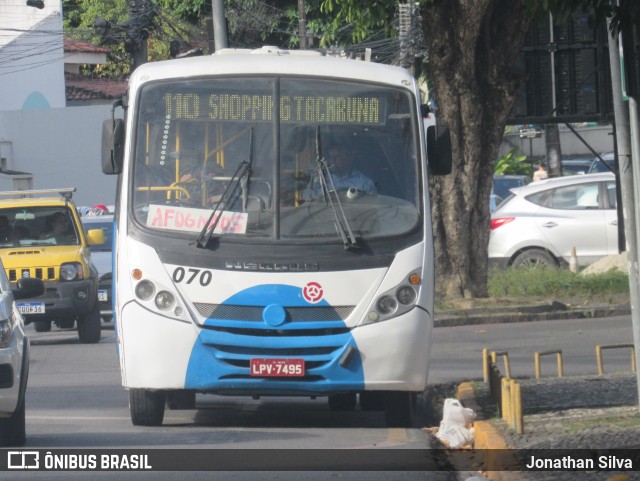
x=112 y=146
x=439 y=154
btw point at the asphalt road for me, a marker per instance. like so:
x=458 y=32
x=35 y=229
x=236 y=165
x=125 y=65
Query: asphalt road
x=457 y=351
x=75 y=400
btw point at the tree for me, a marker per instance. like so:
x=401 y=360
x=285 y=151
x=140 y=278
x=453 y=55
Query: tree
x=472 y=48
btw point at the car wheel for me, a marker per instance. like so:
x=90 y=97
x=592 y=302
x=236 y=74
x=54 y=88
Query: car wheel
x=146 y=407
x=534 y=258
x=42 y=326
x=342 y=402
x=398 y=409
x=13 y=429
x=90 y=325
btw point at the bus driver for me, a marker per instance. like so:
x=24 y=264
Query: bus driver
x=343 y=174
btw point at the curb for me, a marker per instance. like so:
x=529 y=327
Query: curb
x=525 y=314
x=486 y=436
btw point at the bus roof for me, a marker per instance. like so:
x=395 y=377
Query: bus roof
x=272 y=61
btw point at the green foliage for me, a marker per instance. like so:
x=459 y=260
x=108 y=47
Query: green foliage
x=512 y=163
x=361 y=19
x=554 y=282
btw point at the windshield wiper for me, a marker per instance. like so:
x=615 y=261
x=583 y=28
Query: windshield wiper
x=244 y=180
x=331 y=196
x=240 y=178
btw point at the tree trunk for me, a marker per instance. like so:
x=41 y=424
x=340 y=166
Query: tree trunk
x=473 y=45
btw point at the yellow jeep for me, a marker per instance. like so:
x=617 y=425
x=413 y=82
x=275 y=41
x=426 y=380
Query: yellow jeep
x=41 y=236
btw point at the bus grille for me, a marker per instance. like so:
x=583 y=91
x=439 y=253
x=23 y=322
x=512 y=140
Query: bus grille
x=236 y=334
x=254 y=313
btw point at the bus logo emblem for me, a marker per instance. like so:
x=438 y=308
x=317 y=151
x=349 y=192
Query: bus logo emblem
x=312 y=292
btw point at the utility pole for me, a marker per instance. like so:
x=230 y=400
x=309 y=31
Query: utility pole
x=219 y=24
x=139 y=36
x=551 y=133
x=302 y=25
x=628 y=185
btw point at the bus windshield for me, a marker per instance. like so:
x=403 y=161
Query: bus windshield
x=276 y=158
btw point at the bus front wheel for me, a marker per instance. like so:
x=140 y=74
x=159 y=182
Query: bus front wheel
x=398 y=409
x=146 y=407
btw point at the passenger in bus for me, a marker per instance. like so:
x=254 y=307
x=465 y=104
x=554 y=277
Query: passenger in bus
x=343 y=174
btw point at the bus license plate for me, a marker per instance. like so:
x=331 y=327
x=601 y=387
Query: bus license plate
x=31 y=308
x=277 y=367
x=102 y=295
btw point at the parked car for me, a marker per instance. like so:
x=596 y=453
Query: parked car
x=41 y=236
x=102 y=259
x=576 y=166
x=14 y=357
x=502 y=184
x=607 y=164
x=543 y=221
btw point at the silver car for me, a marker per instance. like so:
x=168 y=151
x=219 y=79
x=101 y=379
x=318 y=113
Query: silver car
x=102 y=259
x=542 y=222
x=14 y=356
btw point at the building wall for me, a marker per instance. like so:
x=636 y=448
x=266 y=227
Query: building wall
x=61 y=148
x=600 y=138
x=31 y=56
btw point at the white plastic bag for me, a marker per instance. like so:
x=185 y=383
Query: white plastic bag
x=455 y=427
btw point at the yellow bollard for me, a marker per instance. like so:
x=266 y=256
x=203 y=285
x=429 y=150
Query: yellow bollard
x=506 y=401
x=485 y=365
x=519 y=419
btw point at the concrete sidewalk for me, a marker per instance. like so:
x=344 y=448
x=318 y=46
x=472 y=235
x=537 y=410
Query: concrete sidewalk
x=489 y=434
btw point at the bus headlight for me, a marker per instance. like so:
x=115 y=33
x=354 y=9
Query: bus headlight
x=71 y=271
x=396 y=301
x=158 y=298
x=387 y=305
x=406 y=295
x=165 y=300
x=145 y=290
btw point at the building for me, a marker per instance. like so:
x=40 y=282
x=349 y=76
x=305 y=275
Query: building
x=50 y=118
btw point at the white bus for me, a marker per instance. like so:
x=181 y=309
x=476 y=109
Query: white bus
x=273 y=232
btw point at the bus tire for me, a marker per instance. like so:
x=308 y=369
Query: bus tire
x=342 y=402
x=372 y=400
x=181 y=399
x=146 y=407
x=90 y=325
x=42 y=326
x=398 y=409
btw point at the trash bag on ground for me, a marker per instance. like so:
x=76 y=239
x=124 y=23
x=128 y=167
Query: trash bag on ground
x=456 y=428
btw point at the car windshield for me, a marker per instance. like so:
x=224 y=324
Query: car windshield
x=42 y=225
x=253 y=149
x=502 y=185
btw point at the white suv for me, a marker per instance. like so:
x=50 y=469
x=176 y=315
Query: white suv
x=541 y=223
x=14 y=357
